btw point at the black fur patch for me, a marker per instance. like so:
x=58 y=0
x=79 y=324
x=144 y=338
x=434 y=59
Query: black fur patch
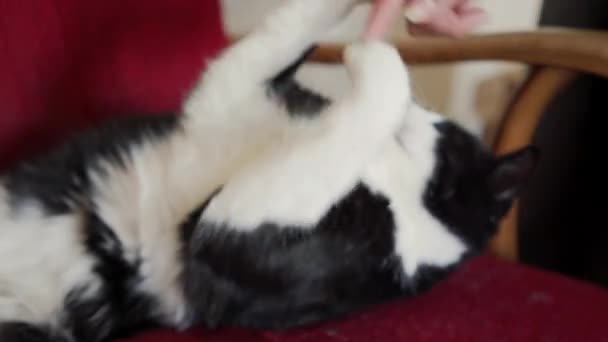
x=280 y=277
x=60 y=179
x=116 y=309
x=458 y=194
x=24 y=332
x=299 y=100
x=188 y=226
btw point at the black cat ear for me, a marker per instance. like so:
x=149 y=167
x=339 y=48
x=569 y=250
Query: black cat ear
x=512 y=171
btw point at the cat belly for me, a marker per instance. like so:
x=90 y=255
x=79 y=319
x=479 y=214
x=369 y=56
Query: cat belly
x=42 y=258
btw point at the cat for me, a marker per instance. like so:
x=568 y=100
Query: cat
x=263 y=204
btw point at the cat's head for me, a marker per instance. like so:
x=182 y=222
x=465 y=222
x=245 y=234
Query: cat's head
x=467 y=187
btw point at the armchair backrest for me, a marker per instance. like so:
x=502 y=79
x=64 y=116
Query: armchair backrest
x=67 y=64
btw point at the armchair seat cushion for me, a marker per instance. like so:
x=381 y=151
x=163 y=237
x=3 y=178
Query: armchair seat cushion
x=486 y=300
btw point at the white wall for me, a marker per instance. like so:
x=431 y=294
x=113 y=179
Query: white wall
x=505 y=15
x=447 y=88
x=241 y=15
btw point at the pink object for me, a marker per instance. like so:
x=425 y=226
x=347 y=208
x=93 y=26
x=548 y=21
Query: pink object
x=454 y=18
x=383 y=13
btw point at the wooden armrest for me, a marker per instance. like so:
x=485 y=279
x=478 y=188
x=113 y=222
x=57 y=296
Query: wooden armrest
x=580 y=50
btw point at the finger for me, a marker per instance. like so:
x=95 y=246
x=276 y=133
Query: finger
x=448 y=4
x=422 y=30
x=463 y=25
x=383 y=11
x=463 y=5
x=446 y=23
x=467 y=8
x=442 y=18
x=473 y=19
x=458 y=23
x=419 y=11
x=473 y=11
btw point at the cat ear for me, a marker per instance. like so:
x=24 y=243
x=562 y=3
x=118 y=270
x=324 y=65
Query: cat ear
x=511 y=172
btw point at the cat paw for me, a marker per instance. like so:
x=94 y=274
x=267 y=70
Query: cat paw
x=377 y=67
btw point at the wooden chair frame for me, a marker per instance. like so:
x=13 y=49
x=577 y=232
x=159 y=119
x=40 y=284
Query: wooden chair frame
x=556 y=57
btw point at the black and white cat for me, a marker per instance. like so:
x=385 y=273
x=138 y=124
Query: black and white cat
x=262 y=205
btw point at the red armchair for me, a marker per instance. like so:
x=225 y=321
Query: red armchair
x=68 y=64
x=488 y=300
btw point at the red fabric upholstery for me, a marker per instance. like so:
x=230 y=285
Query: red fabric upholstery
x=487 y=300
x=67 y=64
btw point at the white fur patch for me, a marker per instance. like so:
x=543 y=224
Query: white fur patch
x=242 y=70
x=401 y=174
x=229 y=112
x=145 y=202
x=43 y=259
x=318 y=162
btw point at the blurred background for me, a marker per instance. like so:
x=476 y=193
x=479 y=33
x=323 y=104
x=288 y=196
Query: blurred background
x=453 y=89
x=561 y=226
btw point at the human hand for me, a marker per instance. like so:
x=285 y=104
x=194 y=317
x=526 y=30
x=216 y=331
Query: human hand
x=437 y=17
x=453 y=18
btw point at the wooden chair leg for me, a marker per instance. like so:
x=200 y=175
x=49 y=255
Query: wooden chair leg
x=516 y=131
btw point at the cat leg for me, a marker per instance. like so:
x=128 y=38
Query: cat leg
x=232 y=115
x=298 y=101
x=25 y=332
x=297 y=181
x=244 y=70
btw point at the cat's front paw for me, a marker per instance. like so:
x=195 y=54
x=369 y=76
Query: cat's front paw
x=377 y=66
x=381 y=84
